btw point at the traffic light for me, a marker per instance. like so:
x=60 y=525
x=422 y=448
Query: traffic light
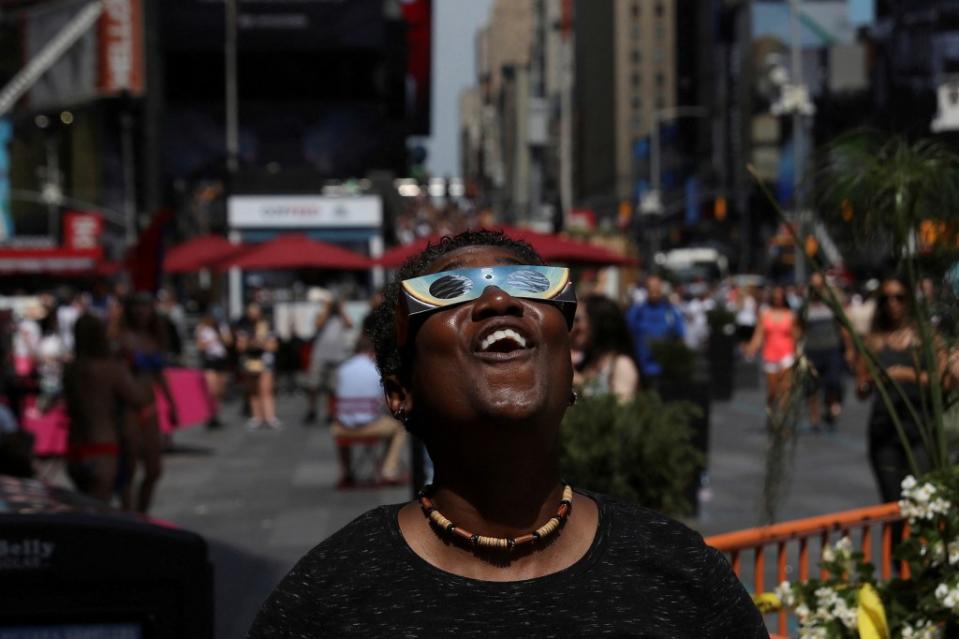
x=847 y=212
x=720 y=209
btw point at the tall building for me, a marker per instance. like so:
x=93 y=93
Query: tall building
x=503 y=54
x=626 y=82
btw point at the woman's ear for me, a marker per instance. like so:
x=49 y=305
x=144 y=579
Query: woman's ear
x=398 y=398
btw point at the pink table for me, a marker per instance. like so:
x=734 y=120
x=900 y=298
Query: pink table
x=190 y=394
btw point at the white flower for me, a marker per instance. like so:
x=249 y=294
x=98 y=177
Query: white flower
x=802 y=613
x=848 y=616
x=938 y=551
x=953 y=552
x=828 y=554
x=844 y=545
x=922 y=630
x=785 y=593
x=948 y=596
x=923 y=494
x=908 y=483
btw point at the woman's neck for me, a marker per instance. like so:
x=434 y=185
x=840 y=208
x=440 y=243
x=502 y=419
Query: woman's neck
x=510 y=501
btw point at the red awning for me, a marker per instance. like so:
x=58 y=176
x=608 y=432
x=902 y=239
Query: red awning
x=295 y=250
x=203 y=251
x=49 y=260
x=552 y=248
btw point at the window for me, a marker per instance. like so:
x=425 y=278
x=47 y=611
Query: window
x=637 y=80
x=660 y=80
x=636 y=9
x=636 y=57
x=659 y=10
x=637 y=103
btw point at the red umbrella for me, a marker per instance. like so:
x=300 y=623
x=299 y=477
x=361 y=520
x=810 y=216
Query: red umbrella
x=202 y=251
x=552 y=248
x=295 y=250
x=556 y=248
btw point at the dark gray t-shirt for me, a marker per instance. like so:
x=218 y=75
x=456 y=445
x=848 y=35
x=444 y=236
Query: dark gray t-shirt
x=643 y=576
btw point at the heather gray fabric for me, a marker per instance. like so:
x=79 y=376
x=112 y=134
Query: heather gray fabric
x=644 y=576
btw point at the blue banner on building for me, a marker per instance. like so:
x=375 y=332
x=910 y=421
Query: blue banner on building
x=6 y=214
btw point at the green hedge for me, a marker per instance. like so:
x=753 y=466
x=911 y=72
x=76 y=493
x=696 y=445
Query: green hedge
x=640 y=451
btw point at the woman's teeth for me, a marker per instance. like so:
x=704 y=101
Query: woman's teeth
x=497 y=336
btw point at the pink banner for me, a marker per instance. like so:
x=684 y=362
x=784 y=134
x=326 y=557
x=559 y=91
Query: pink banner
x=193 y=402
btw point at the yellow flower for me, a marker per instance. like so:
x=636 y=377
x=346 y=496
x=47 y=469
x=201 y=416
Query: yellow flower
x=767 y=602
x=871 y=615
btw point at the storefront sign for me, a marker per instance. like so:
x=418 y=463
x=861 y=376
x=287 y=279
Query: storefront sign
x=121 y=47
x=47 y=260
x=82 y=231
x=307 y=211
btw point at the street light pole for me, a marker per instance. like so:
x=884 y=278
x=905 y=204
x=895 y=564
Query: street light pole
x=798 y=136
x=235 y=277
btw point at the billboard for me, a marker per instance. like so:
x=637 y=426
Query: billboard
x=106 y=60
x=275 y=25
x=304 y=211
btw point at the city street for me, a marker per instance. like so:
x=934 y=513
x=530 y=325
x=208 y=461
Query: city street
x=262 y=499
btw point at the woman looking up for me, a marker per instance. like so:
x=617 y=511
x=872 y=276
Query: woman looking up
x=601 y=338
x=473 y=346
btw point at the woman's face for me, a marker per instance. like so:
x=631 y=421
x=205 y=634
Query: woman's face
x=579 y=335
x=893 y=295
x=455 y=379
x=778 y=297
x=142 y=313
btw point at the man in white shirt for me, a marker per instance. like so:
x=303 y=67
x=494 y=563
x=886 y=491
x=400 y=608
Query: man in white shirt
x=361 y=412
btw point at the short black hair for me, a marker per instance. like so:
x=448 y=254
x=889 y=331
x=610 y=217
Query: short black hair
x=390 y=359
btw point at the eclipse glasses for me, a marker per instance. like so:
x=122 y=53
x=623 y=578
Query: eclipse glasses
x=436 y=291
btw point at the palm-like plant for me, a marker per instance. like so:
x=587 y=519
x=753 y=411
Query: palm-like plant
x=893 y=186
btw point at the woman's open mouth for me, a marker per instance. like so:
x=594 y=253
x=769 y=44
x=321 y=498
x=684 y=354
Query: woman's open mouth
x=503 y=344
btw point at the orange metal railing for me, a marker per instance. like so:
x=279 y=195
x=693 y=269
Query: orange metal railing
x=801 y=531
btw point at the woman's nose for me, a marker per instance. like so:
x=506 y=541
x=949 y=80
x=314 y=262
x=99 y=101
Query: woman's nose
x=495 y=301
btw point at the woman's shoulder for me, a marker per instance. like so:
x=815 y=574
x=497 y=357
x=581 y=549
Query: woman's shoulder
x=345 y=548
x=632 y=521
x=351 y=559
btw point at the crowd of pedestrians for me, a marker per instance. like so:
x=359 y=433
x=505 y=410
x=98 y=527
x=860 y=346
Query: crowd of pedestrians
x=57 y=343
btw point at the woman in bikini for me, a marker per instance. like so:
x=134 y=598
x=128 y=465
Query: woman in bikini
x=93 y=448
x=143 y=346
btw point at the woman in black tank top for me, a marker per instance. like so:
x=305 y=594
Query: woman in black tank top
x=896 y=343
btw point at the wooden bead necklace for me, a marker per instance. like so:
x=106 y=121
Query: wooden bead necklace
x=504 y=543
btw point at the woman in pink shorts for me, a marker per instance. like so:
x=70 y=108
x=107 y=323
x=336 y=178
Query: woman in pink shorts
x=777 y=333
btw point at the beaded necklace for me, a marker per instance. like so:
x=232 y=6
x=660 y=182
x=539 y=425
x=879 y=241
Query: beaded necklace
x=505 y=543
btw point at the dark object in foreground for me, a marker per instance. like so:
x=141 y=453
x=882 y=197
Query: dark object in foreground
x=643 y=576
x=70 y=566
